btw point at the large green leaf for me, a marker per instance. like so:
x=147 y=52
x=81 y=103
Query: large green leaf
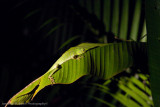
x=102 y=60
x=153 y=32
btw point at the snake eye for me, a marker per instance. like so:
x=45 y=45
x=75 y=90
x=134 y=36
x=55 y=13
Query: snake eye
x=58 y=66
x=75 y=56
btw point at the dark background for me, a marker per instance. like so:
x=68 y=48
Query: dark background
x=27 y=52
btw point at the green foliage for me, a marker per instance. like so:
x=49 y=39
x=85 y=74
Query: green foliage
x=132 y=92
x=102 y=60
x=153 y=33
x=103 y=20
x=124 y=19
